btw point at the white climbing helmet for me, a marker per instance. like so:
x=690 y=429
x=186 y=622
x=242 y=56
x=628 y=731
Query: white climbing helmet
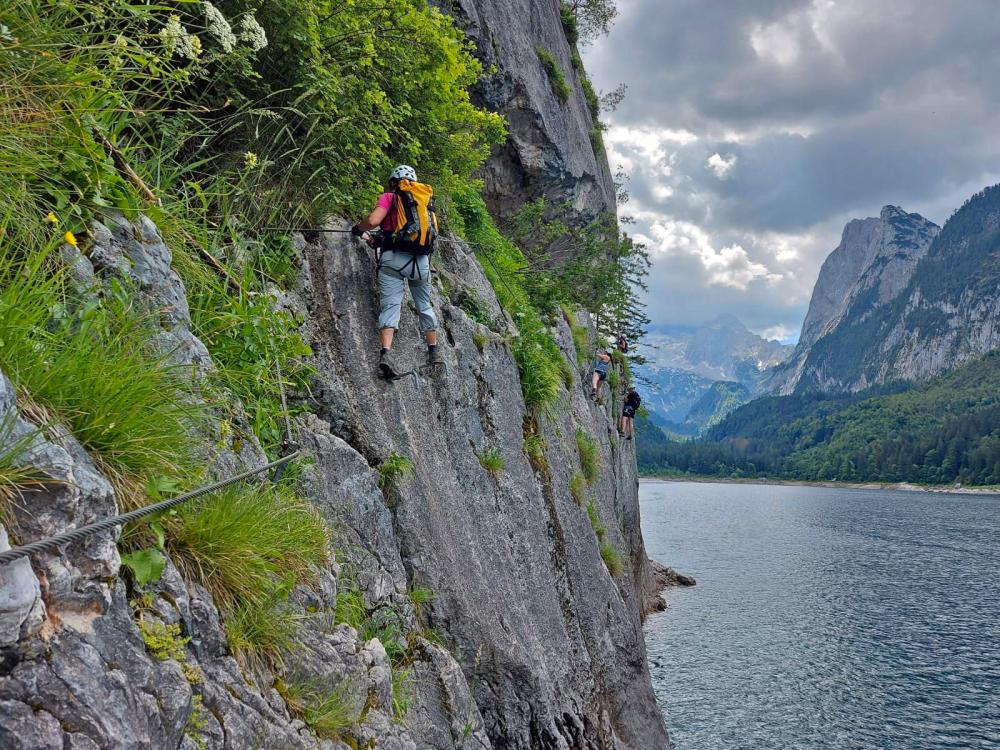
x=404 y=172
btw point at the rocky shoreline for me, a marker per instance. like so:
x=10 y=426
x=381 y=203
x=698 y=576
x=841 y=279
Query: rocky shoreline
x=904 y=486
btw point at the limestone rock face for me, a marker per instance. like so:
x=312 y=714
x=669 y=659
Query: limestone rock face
x=548 y=153
x=536 y=644
x=550 y=642
x=870 y=268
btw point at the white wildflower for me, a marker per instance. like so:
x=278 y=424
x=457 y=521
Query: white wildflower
x=253 y=34
x=171 y=34
x=176 y=38
x=250 y=160
x=219 y=27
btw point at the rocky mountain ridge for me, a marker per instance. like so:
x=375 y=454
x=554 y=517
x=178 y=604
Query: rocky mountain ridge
x=696 y=373
x=925 y=303
x=872 y=265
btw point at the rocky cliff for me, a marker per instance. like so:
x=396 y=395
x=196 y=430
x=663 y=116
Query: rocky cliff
x=539 y=643
x=872 y=265
x=550 y=152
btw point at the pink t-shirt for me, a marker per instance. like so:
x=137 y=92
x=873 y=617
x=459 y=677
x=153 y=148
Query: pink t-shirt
x=387 y=201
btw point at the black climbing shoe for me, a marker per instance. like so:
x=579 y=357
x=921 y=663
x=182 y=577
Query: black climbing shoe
x=434 y=357
x=387 y=365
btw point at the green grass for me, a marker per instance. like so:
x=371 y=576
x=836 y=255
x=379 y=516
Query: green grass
x=393 y=469
x=589 y=460
x=382 y=623
x=624 y=366
x=91 y=366
x=595 y=521
x=249 y=546
x=480 y=340
x=578 y=488
x=560 y=87
x=15 y=476
x=492 y=460
x=612 y=559
x=534 y=349
x=327 y=710
x=534 y=449
x=401 y=692
x=581 y=342
x=420 y=597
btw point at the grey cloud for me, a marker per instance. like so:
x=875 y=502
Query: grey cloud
x=842 y=108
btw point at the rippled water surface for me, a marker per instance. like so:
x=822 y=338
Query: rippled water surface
x=826 y=618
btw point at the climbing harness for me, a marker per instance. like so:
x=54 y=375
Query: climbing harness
x=54 y=542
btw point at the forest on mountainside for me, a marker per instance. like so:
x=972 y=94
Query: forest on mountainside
x=942 y=431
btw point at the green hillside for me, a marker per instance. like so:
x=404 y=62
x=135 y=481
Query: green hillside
x=942 y=431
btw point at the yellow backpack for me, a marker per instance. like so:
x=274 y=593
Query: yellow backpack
x=416 y=219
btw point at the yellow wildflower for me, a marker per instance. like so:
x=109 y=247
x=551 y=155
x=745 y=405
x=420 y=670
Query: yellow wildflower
x=70 y=239
x=52 y=218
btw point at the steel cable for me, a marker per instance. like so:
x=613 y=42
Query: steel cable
x=53 y=542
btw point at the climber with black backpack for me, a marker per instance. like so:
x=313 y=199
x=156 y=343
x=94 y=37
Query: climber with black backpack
x=405 y=215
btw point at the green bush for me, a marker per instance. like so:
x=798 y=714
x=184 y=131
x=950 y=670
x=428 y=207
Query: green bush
x=589 y=461
x=534 y=349
x=492 y=460
x=568 y=17
x=557 y=80
x=612 y=559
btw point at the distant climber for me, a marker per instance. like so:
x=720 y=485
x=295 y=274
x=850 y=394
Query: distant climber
x=405 y=215
x=632 y=402
x=601 y=366
x=622 y=344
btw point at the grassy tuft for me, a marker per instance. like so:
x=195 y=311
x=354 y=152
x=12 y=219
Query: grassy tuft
x=595 y=521
x=578 y=488
x=480 y=340
x=393 y=469
x=589 y=462
x=557 y=79
x=328 y=711
x=534 y=449
x=612 y=559
x=492 y=460
x=420 y=596
x=94 y=369
x=568 y=373
x=245 y=541
x=581 y=342
x=401 y=697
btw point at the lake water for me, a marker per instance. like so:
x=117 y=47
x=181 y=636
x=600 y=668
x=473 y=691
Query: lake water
x=826 y=618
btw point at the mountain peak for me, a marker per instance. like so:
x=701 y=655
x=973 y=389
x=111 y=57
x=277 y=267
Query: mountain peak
x=892 y=212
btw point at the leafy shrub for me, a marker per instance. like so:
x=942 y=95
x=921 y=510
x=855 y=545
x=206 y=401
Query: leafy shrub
x=612 y=559
x=568 y=17
x=589 y=462
x=163 y=641
x=492 y=460
x=393 y=469
x=556 y=78
x=534 y=350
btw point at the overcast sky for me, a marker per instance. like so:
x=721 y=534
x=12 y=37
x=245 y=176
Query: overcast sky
x=753 y=130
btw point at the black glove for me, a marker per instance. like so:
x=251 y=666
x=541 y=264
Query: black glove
x=356 y=231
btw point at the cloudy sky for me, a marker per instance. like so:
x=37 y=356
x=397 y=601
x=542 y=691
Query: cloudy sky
x=753 y=130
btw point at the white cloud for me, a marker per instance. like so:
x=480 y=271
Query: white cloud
x=721 y=165
x=729 y=265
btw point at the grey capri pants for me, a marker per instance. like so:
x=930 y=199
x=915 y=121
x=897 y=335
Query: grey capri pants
x=395 y=269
